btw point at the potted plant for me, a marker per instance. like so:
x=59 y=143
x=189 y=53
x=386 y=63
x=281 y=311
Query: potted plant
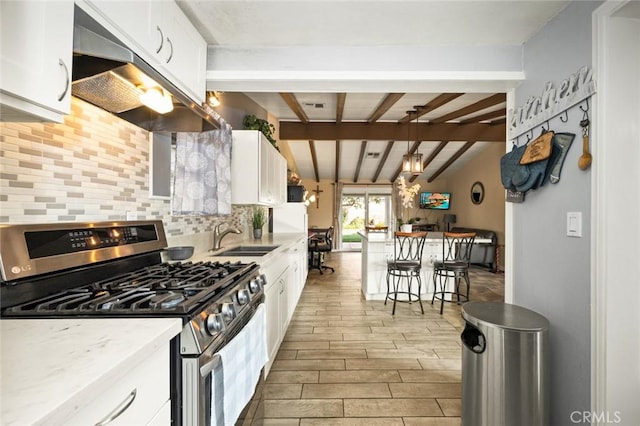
x=258 y=219
x=251 y=122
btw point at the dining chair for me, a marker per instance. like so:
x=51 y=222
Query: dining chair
x=456 y=256
x=405 y=266
x=319 y=246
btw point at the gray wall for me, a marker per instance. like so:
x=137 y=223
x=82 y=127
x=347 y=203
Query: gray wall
x=551 y=270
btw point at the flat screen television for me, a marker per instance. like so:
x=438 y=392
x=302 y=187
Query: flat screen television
x=435 y=200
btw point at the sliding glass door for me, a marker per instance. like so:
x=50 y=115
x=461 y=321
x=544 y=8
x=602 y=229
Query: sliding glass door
x=362 y=210
x=353 y=216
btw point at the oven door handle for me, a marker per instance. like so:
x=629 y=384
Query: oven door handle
x=208 y=366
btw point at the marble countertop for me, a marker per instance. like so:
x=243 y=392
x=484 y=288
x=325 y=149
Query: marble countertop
x=389 y=238
x=52 y=366
x=283 y=240
x=49 y=367
x=432 y=236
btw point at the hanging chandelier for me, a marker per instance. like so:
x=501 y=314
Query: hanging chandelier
x=412 y=163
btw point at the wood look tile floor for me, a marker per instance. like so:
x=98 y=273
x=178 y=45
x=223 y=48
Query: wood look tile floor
x=348 y=361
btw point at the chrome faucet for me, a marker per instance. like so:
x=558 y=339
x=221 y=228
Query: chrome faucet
x=218 y=236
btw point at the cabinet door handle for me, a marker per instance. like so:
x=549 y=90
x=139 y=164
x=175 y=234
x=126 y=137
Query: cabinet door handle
x=121 y=408
x=161 y=39
x=171 y=46
x=66 y=84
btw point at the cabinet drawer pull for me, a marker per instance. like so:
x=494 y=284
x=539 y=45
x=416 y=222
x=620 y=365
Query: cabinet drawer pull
x=161 y=39
x=171 y=46
x=66 y=84
x=121 y=408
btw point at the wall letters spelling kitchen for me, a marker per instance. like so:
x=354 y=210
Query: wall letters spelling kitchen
x=572 y=90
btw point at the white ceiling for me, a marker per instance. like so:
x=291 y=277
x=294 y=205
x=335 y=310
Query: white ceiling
x=251 y=25
x=369 y=23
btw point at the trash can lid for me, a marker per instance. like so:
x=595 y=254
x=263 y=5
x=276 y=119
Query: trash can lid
x=503 y=315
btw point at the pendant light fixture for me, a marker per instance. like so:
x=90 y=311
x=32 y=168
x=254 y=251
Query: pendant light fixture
x=412 y=163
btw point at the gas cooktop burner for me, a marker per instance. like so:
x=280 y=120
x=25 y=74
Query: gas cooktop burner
x=115 y=270
x=157 y=289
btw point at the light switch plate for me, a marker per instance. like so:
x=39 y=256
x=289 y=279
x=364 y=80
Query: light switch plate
x=574 y=224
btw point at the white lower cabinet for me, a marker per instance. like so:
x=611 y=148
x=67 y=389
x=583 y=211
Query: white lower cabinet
x=271 y=301
x=283 y=307
x=276 y=304
x=162 y=417
x=139 y=397
x=298 y=273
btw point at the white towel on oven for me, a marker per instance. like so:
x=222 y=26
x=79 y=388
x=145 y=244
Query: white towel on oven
x=242 y=361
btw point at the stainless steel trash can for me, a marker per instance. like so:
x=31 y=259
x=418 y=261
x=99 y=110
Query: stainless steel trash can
x=505 y=366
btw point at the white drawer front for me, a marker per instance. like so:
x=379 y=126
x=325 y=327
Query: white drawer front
x=149 y=379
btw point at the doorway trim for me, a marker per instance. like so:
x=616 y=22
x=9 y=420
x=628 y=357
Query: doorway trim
x=608 y=317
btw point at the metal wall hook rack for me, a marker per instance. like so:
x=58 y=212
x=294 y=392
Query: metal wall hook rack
x=545 y=129
x=564 y=118
x=585 y=110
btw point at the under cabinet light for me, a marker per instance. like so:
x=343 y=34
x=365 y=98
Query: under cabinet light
x=212 y=99
x=156 y=99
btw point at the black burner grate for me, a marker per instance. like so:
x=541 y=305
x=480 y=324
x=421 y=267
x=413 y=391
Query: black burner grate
x=162 y=289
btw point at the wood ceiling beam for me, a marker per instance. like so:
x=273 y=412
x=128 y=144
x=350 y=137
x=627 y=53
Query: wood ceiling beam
x=295 y=106
x=488 y=116
x=314 y=159
x=450 y=161
x=363 y=149
x=431 y=157
x=413 y=149
x=337 y=171
x=324 y=131
x=340 y=100
x=384 y=106
x=470 y=109
x=433 y=104
x=383 y=160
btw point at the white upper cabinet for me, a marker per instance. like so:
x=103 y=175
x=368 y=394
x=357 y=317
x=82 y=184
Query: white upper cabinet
x=161 y=34
x=35 y=60
x=183 y=53
x=258 y=171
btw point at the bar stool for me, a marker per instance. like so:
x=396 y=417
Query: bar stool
x=406 y=264
x=456 y=256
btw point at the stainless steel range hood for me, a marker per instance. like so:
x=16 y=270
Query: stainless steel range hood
x=106 y=73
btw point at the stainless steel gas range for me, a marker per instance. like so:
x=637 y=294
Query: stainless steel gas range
x=115 y=269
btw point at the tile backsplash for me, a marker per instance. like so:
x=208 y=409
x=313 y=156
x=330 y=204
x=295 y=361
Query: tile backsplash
x=92 y=167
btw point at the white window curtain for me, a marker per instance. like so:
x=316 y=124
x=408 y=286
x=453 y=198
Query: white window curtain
x=202 y=182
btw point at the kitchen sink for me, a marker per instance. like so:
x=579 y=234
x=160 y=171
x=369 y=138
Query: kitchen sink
x=255 y=251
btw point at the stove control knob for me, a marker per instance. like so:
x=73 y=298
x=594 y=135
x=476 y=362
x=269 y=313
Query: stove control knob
x=228 y=311
x=243 y=296
x=255 y=285
x=262 y=279
x=214 y=324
